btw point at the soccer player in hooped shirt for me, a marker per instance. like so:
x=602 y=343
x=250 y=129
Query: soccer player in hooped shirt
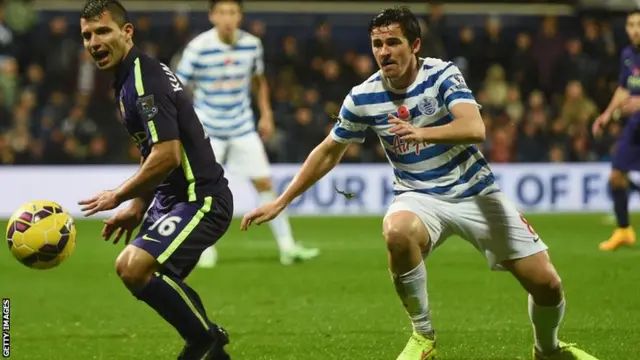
x=179 y=195
x=427 y=120
x=626 y=156
x=221 y=65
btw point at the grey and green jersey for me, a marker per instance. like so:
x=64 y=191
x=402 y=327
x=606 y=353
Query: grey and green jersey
x=156 y=108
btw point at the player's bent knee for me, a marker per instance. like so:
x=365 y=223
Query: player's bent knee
x=548 y=291
x=404 y=229
x=135 y=267
x=618 y=179
x=539 y=277
x=262 y=184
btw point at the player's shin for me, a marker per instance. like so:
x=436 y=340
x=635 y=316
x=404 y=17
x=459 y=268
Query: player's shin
x=409 y=276
x=621 y=205
x=546 y=301
x=546 y=322
x=167 y=296
x=412 y=290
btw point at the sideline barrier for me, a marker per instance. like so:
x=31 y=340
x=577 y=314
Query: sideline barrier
x=535 y=188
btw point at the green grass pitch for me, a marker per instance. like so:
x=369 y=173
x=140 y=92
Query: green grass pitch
x=341 y=306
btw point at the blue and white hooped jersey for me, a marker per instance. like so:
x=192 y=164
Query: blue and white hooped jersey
x=220 y=75
x=449 y=171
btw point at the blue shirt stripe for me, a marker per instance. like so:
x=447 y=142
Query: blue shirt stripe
x=346 y=134
x=464 y=179
x=457 y=96
x=206 y=78
x=199 y=65
x=443 y=170
x=236 y=91
x=233 y=126
x=235 y=48
x=387 y=96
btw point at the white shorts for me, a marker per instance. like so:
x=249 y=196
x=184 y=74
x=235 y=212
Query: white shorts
x=491 y=223
x=243 y=155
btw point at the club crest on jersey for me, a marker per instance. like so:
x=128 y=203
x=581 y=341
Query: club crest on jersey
x=428 y=105
x=147 y=107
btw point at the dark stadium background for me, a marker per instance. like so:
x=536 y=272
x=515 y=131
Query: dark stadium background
x=540 y=92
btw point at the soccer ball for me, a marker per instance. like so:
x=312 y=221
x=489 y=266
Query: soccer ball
x=41 y=235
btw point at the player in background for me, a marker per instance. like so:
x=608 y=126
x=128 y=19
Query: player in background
x=179 y=194
x=428 y=120
x=221 y=66
x=626 y=156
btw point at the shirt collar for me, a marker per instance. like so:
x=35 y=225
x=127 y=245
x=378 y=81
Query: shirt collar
x=122 y=70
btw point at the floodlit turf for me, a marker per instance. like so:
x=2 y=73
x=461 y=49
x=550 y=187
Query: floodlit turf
x=341 y=306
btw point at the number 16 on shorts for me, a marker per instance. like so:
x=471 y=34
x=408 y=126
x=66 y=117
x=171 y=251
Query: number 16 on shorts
x=166 y=225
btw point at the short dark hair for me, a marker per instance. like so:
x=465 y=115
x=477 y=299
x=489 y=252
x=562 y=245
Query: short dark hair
x=401 y=16
x=213 y=3
x=95 y=8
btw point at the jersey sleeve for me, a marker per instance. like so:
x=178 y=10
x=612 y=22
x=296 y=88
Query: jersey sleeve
x=156 y=107
x=350 y=127
x=258 y=62
x=624 y=71
x=188 y=63
x=453 y=89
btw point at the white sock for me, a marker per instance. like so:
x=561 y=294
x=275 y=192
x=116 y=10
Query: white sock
x=280 y=225
x=412 y=289
x=546 y=321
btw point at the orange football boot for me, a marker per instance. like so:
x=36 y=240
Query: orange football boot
x=621 y=237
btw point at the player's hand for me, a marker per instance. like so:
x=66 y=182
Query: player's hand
x=406 y=131
x=106 y=200
x=125 y=221
x=266 y=127
x=261 y=215
x=600 y=123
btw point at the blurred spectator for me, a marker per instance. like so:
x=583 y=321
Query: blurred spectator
x=436 y=21
x=9 y=81
x=514 y=108
x=322 y=46
x=7 y=41
x=6 y=119
x=531 y=143
x=496 y=49
x=59 y=56
x=574 y=64
x=522 y=65
x=432 y=44
x=176 y=37
x=466 y=55
x=547 y=50
x=496 y=87
x=306 y=133
x=578 y=110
